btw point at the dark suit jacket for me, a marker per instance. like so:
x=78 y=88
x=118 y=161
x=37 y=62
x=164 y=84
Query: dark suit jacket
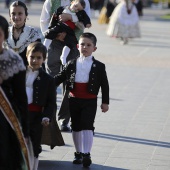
x=97 y=78
x=56 y=26
x=44 y=93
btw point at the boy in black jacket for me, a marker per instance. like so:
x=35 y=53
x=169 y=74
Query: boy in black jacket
x=41 y=94
x=84 y=77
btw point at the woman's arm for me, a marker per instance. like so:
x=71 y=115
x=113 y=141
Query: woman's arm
x=45 y=16
x=87 y=8
x=65 y=17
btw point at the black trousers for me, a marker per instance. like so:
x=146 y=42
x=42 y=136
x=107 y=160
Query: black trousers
x=36 y=131
x=82 y=112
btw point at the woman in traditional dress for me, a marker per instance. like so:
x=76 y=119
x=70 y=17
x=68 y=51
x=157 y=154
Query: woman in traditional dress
x=20 y=35
x=13 y=107
x=124 y=22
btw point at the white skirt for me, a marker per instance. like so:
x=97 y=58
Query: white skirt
x=122 y=24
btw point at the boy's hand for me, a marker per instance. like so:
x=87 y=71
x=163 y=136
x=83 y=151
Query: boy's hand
x=45 y=121
x=104 y=107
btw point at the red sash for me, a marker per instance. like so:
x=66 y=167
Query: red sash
x=80 y=90
x=70 y=24
x=34 y=108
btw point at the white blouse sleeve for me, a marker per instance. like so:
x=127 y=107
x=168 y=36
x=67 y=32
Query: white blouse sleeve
x=87 y=8
x=74 y=18
x=45 y=16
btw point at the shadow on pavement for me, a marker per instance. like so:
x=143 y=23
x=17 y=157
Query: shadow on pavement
x=149 y=44
x=133 y=140
x=66 y=165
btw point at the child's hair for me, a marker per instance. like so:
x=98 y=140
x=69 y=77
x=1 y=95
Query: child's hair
x=82 y=2
x=37 y=47
x=19 y=3
x=4 y=26
x=91 y=36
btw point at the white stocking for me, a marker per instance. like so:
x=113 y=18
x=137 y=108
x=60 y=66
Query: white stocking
x=87 y=140
x=78 y=139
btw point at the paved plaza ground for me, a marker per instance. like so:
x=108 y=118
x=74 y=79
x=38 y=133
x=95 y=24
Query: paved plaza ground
x=135 y=133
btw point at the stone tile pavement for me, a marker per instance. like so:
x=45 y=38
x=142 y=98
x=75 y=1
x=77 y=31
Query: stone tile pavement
x=135 y=133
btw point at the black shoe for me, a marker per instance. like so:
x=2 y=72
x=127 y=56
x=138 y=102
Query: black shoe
x=65 y=128
x=78 y=158
x=86 y=159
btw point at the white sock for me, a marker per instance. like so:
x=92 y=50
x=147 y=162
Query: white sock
x=64 y=54
x=78 y=139
x=47 y=43
x=36 y=161
x=87 y=140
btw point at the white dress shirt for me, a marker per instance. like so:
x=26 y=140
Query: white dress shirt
x=30 y=77
x=83 y=67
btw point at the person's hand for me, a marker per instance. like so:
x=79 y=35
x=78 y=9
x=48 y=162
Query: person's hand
x=88 y=25
x=65 y=17
x=104 y=107
x=45 y=121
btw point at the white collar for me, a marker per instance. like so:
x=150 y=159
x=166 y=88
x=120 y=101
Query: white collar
x=29 y=69
x=89 y=58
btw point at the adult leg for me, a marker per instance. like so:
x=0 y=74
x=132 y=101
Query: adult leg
x=64 y=113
